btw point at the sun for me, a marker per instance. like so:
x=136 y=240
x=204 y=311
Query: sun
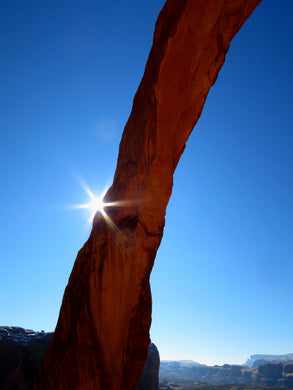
x=95 y=203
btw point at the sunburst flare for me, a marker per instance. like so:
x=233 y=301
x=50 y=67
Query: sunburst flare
x=97 y=204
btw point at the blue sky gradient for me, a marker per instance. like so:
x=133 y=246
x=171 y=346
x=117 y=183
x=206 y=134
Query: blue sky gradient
x=222 y=280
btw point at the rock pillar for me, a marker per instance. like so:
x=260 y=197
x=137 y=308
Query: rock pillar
x=102 y=336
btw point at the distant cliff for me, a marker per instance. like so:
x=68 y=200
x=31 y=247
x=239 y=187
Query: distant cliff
x=268 y=374
x=257 y=360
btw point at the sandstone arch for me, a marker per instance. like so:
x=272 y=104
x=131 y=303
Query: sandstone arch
x=102 y=335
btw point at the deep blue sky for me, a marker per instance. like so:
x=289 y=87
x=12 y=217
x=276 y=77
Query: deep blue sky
x=222 y=281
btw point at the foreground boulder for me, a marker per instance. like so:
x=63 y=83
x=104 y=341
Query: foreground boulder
x=102 y=336
x=22 y=350
x=149 y=379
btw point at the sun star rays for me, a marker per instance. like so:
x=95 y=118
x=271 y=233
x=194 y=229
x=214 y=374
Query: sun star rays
x=96 y=204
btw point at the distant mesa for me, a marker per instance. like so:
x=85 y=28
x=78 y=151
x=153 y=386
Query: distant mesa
x=182 y=363
x=257 y=360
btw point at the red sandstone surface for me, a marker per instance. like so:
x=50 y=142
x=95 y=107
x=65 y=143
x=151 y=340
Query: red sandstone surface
x=102 y=336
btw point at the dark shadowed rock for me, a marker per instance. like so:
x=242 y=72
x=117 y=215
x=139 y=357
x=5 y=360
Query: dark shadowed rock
x=288 y=368
x=271 y=370
x=149 y=379
x=21 y=353
x=22 y=350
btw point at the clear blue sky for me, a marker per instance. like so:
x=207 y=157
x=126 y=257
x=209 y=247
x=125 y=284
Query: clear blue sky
x=222 y=281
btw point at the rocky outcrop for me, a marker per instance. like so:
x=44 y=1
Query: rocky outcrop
x=149 y=379
x=21 y=353
x=22 y=350
x=102 y=336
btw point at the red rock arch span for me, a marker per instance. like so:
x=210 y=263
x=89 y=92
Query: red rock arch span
x=102 y=335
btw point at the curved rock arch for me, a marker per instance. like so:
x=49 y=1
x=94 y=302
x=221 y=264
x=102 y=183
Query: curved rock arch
x=102 y=335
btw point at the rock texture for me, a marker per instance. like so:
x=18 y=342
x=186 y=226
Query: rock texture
x=22 y=350
x=102 y=336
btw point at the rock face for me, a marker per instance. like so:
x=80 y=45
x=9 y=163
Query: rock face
x=102 y=336
x=22 y=350
x=149 y=379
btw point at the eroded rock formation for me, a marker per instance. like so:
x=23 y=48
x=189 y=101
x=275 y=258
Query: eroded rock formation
x=102 y=336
